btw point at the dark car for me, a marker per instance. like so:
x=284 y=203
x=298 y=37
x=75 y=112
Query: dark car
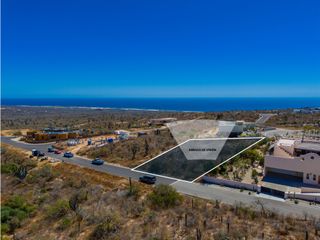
x=97 y=161
x=41 y=154
x=148 y=179
x=50 y=149
x=68 y=154
x=35 y=152
x=57 y=151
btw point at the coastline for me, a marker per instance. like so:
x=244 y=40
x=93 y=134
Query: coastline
x=103 y=108
x=196 y=105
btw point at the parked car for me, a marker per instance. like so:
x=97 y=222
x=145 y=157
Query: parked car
x=51 y=149
x=41 y=154
x=68 y=154
x=35 y=152
x=97 y=161
x=57 y=151
x=148 y=179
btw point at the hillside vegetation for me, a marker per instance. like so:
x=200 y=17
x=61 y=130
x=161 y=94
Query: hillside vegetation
x=99 y=121
x=134 y=151
x=61 y=201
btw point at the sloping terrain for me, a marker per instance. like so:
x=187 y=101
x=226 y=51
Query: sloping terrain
x=61 y=201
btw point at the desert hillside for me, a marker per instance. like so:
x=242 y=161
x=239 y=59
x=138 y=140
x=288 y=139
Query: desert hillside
x=42 y=200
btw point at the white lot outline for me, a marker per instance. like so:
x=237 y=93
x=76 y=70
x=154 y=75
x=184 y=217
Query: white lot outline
x=202 y=139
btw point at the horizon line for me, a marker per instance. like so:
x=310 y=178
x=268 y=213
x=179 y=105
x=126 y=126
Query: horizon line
x=164 y=97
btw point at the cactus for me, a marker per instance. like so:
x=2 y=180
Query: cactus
x=198 y=234
x=228 y=225
x=130 y=184
x=21 y=172
x=186 y=220
x=74 y=203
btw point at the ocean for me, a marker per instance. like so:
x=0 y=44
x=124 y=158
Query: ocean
x=172 y=104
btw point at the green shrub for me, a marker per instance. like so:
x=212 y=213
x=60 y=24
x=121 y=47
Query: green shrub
x=221 y=235
x=106 y=229
x=59 y=209
x=164 y=196
x=8 y=168
x=133 y=191
x=42 y=198
x=78 y=198
x=64 y=224
x=254 y=174
x=12 y=160
x=18 y=202
x=17 y=133
x=4 y=228
x=13 y=212
x=46 y=173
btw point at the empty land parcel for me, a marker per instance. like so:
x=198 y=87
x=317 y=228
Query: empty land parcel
x=195 y=157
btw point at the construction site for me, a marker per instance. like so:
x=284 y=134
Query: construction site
x=51 y=134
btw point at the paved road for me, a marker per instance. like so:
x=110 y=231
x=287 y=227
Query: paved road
x=233 y=196
x=83 y=162
x=264 y=117
x=212 y=192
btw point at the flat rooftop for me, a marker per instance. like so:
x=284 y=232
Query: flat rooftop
x=309 y=146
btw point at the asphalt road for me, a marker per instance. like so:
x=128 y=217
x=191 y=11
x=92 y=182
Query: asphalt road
x=234 y=196
x=264 y=117
x=211 y=192
x=83 y=162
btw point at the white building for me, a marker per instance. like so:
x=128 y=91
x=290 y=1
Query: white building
x=296 y=159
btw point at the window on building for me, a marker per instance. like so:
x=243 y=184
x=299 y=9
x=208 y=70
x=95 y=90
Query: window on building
x=307 y=176
x=314 y=177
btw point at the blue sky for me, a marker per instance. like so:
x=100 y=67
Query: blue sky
x=101 y=48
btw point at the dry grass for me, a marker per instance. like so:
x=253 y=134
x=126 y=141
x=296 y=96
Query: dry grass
x=14 y=132
x=121 y=152
x=105 y=198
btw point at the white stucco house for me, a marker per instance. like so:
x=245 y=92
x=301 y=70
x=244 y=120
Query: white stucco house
x=296 y=159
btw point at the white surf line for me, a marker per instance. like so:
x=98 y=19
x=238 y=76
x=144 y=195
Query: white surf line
x=261 y=138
